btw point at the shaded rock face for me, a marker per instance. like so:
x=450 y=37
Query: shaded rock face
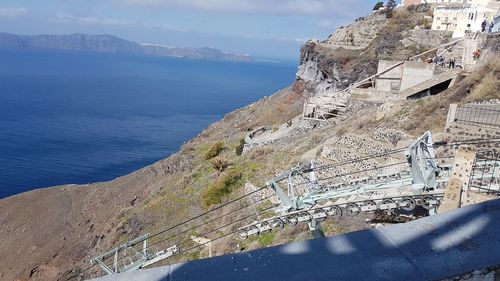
x=309 y=71
x=324 y=65
x=320 y=70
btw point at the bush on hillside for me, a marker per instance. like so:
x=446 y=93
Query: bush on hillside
x=400 y=21
x=216 y=192
x=239 y=148
x=219 y=164
x=378 y=6
x=420 y=8
x=391 y=4
x=425 y=23
x=389 y=13
x=214 y=150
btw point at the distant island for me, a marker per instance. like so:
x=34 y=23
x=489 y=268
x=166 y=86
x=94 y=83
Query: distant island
x=112 y=44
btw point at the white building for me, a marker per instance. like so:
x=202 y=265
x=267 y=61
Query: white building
x=461 y=19
x=411 y=2
x=493 y=4
x=445 y=2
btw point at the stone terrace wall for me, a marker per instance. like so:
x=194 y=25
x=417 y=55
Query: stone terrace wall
x=358 y=34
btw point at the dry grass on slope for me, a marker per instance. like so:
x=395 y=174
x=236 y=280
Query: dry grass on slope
x=484 y=84
x=430 y=113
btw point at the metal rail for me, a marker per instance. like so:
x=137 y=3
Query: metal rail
x=335 y=210
x=423 y=184
x=127 y=258
x=477 y=114
x=485 y=175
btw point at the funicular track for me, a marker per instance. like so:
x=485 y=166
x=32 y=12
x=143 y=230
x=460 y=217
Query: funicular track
x=392 y=196
x=351 y=207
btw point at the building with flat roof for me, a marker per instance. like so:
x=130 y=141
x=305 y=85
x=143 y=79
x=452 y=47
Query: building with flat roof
x=461 y=19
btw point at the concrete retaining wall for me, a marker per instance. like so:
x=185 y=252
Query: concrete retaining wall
x=415 y=73
x=402 y=77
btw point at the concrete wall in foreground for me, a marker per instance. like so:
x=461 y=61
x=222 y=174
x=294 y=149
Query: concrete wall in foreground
x=432 y=248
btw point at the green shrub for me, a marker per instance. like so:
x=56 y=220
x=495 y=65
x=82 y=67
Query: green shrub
x=214 y=150
x=239 y=147
x=219 y=163
x=389 y=13
x=424 y=23
x=222 y=187
x=266 y=239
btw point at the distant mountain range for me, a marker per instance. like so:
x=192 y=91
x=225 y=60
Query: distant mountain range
x=112 y=44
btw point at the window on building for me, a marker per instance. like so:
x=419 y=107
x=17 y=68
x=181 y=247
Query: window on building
x=438 y=27
x=454 y=18
x=438 y=18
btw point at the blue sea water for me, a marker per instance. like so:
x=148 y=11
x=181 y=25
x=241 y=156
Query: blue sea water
x=83 y=117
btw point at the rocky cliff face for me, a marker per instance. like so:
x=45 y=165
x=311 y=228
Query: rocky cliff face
x=359 y=34
x=322 y=64
x=352 y=53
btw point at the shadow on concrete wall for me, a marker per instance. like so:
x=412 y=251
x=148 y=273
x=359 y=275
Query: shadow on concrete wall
x=431 y=248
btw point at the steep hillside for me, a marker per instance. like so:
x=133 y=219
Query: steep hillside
x=50 y=234
x=324 y=65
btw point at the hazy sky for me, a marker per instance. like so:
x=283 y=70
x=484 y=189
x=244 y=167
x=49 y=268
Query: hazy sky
x=264 y=28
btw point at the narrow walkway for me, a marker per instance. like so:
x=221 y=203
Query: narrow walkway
x=432 y=248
